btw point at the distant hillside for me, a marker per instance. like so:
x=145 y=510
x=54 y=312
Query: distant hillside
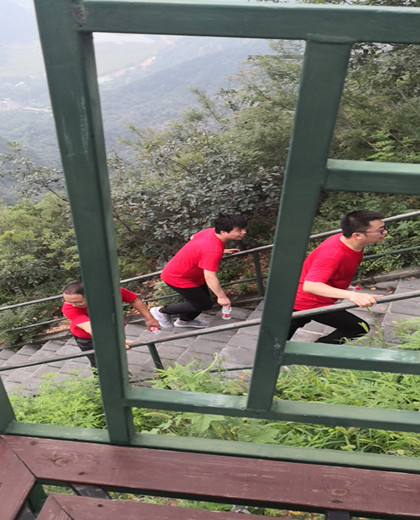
x=153 y=97
x=141 y=95
x=144 y=80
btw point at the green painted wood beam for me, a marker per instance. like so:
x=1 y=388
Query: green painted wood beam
x=243 y=19
x=376 y=177
x=52 y=431
x=300 y=412
x=72 y=78
x=352 y=357
x=323 y=75
x=234 y=448
x=7 y=415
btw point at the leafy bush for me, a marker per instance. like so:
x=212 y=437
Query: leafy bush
x=77 y=403
x=73 y=402
x=14 y=321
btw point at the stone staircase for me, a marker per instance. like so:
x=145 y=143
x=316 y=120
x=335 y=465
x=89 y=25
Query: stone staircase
x=140 y=363
x=236 y=348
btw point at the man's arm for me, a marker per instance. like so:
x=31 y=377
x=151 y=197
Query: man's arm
x=322 y=289
x=86 y=326
x=214 y=285
x=142 y=308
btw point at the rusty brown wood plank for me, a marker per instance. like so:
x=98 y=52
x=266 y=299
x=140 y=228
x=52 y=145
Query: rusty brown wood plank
x=209 y=477
x=54 y=510
x=83 y=508
x=15 y=482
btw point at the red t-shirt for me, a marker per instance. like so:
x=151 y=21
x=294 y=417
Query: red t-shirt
x=78 y=315
x=203 y=252
x=332 y=263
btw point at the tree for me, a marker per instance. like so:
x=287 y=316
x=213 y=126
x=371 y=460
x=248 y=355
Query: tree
x=32 y=181
x=37 y=249
x=225 y=155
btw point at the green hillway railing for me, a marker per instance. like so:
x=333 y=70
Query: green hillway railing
x=66 y=29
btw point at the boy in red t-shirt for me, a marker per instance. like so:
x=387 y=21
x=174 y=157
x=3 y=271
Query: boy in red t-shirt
x=193 y=271
x=75 y=309
x=328 y=271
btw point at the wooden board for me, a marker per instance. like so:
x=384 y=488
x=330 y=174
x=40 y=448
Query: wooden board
x=66 y=507
x=15 y=483
x=212 y=478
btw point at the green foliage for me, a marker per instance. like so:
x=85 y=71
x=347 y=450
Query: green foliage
x=348 y=387
x=407 y=334
x=226 y=155
x=14 y=323
x=74 y=402
x=193 y=378
x=32 y=181
x=371 y=389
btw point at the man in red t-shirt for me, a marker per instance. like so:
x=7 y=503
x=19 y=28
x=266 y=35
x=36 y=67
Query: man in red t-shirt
x=193 y=271
x=75 y=310
x=328 y=271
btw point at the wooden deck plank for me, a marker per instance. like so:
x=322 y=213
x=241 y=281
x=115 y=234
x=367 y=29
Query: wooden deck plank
x=53 y=510
x=83 y=508
x=209 y=477
x=15 y=482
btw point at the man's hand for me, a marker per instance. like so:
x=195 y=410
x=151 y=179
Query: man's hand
x=230 y=251
x=362 y=299
x=322 y=289
x=224 y=300
x=127 y=344
x=152 y=322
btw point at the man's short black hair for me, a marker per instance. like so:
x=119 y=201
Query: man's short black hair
x=229 y=222
x=358 y=221
x=74 y=288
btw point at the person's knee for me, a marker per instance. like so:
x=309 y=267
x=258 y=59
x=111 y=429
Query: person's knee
x=207 y=305
x=203 y=305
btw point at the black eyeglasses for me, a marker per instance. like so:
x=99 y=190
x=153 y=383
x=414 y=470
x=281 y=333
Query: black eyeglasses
x=381 y=230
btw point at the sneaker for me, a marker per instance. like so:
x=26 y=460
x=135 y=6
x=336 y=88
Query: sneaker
x=164 y=319
x=196 y=324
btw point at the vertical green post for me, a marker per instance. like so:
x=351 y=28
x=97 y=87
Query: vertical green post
x=7 y=415
x=72 y=78
x=322 y=80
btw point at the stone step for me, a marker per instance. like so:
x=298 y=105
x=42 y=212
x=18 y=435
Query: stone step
x=28 y=379
x=5 y=354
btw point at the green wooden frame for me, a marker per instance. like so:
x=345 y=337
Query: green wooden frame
x=66 y=30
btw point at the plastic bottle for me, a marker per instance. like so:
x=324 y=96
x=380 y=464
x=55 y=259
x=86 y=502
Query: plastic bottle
x=155 y=330
x=354 y=288
x=226 y=312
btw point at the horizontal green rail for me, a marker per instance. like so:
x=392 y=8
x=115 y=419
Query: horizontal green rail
x=242 y=19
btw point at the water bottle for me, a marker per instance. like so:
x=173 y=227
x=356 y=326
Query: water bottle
x=354 y=288
x=155 y=330
x=226 y=312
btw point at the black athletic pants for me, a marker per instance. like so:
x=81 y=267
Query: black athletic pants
x=197 y=299
x=347 y=325
x=86 y=344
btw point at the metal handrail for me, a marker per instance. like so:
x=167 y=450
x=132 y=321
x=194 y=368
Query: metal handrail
x=220 y=328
